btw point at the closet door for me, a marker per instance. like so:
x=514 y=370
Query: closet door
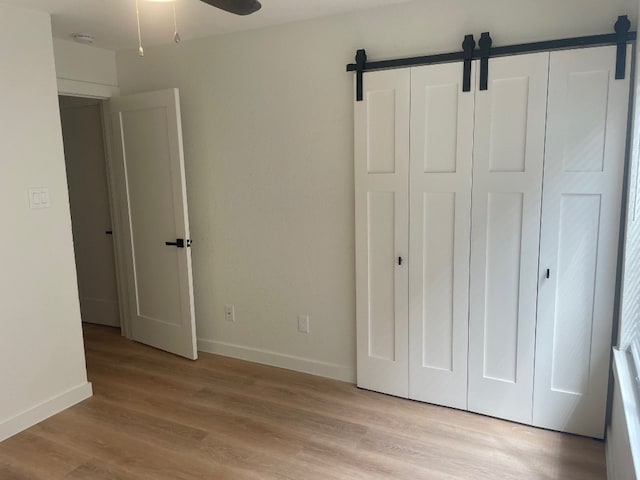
x=585 y=152
x=507 y=183
x=440 y=223
x=382 y=224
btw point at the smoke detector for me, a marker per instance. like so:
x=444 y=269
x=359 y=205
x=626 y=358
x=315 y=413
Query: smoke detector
x=85 y=38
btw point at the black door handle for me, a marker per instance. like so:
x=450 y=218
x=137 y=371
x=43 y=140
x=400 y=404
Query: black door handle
x=108 y=232
x=400 y=261
x=179 y=243
x=548 y=273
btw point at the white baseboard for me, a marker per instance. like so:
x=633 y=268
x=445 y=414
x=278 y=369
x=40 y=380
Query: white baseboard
x=274 y=359
x=44 y=410
x=100 y=311
x=610 y=456
x=623 y=434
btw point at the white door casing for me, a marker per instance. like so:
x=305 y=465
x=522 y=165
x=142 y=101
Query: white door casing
x=149 y=163
x=507 y=184
x=440 y=224
x=585 y=152
x=382 y=216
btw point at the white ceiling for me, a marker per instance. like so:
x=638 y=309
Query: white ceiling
x=113 y=22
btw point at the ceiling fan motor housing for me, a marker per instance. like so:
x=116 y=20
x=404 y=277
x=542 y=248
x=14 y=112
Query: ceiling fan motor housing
x=238 y=7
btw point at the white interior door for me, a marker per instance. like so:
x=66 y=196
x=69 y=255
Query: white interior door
x=507 y=186
x=153 y=207
x=440 y=223
x=381 y=212
x=84 y=152
x=585 y=152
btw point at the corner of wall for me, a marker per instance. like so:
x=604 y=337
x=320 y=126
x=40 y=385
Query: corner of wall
x=41 y=344
x=44 y=410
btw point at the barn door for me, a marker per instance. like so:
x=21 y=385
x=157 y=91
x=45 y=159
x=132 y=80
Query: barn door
x=440 y=223
x=585 y=152
x=382 y=231
x=507 y=188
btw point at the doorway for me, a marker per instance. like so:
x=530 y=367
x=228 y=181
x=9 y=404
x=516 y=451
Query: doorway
x=85 y=158
x=129 y=216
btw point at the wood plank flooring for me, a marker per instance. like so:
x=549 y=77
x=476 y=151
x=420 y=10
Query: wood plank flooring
x=157 y=416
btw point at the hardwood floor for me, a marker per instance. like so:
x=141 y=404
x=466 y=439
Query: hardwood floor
x=157 y=416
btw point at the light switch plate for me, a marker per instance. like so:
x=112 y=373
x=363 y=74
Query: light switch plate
x=39 y=198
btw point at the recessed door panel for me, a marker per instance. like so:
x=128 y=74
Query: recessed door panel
x=577 y=260
x=508 y=117
x=152 y=214
x=381 y=138
x=440 y=207
x=439 y=229
x=502 y=286
x=381 y=213
x=585 y=152
x=440 y=127
x=382 y=228
x=507 y=188
x=585 y=121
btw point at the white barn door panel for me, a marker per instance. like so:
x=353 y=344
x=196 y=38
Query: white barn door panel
x=585 y=152
x=507 y=185
x=382 y=225
x=440 y=220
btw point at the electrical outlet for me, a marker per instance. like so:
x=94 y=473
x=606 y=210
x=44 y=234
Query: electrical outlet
x=303 y=323
x=229 y=313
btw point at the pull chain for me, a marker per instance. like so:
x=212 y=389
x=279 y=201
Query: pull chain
x=140 y=49
x=176 y=35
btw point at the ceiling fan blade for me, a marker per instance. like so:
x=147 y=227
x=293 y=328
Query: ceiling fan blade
x=239 y=7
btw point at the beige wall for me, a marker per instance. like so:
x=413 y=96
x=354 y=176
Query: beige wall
x=42 y=367
x=268 y=132
x=85 y=70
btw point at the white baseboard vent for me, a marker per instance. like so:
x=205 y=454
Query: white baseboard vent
x=274 y=359
x=44 y=410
